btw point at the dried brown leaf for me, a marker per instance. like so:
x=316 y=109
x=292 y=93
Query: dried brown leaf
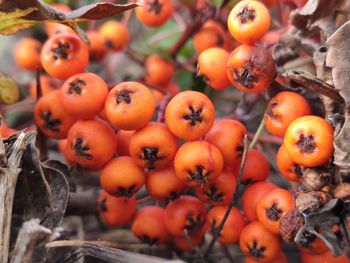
x=338 y=58
x=16 y=15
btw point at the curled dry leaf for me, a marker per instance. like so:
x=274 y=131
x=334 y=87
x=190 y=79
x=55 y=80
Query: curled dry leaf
x=16 y=15
x=338 y=58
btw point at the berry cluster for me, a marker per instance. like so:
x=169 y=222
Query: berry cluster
x=190 y=161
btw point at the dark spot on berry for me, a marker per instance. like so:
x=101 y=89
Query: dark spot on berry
x=273 y=213
x=123 y=96
x=200 y=175
x=255 y=250
x=81 y=149
x=150 y=155
x=75 y=86
x=125 y=192
x=306 y=144
x=155 y=7
x=193 y=116
x=239 y=150
x=50 y=122
x=150 y=241
x=220 y=41
x=193 y=223
x=297 y=170
x=246 y=14
x=214 y=194
x=103 y=206
x=60 y=51
x=108 y=44
x=245 y=78
x=270 y=108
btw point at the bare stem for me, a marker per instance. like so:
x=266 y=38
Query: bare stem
x=234 y=198
x=257 y=134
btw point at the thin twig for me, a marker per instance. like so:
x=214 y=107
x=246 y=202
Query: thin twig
x=257 y=134
x=161 y=108
x=313 y=83
x=234 y=198
x=189 y=240
x=41 y=138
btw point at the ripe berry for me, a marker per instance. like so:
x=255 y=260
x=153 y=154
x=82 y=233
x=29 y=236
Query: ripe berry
x=64 y=55
x=114 y=34
x=258 y=243
x=284 y=108
x=212 y=66
x=154 y=12
x=208 y=37
x=257 y=167
x=122 y=177
x=116 y=211
x=130 y=106
x=272 y=207
x=189 y=115
x=149 y=225
x=252 y=195
x=47 y=83
x=164 y=184
x=250 y=69
x=84 y=95
x=232 y=228
x=51 y=118
x=288 y=168
x=27 y=53
x=198 y=162
x=159 y=71
x=227 y=135
x=309 y=141
x=123 y=139
x=153 y=146
x=249 y=21
x=186 y=213
x=97 y=49
x=219 y=191
x=92 y=142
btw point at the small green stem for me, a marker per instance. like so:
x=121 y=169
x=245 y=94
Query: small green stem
x=258 y=132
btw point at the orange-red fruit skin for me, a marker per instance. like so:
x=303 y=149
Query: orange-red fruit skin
x=252 y=195
x=279 y=200
x=249 y=21
x=149 y=15
x=184 y=105
x=309 y=141
x=92 y=142
x=250 y=69
x=284 y=108
x=157 y=138
x=116 y=211
x=163 y=184
x=63 y=67
x=130 y=106
x=149 y=225
x=122 y=177
x=198 y=162
x=51 y=118
x=233 y=226
x=212 y=66
x=227 y=135
x=84 y=95
x=180 y=212
x=256 y=168
x=27 y=53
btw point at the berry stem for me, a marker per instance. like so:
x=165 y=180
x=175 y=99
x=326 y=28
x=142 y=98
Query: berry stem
x=234 y=198
x=257 y=134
